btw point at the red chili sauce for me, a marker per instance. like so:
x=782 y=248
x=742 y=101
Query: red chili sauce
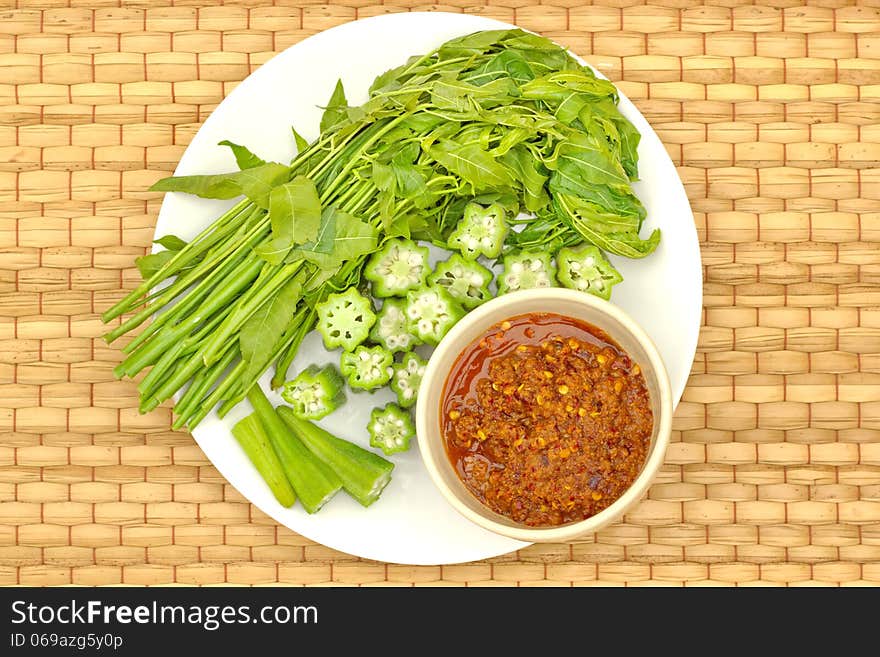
x=546 y=419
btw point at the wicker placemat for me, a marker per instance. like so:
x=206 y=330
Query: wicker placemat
x=772 y=115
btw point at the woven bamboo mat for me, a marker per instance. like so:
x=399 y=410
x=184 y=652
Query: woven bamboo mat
x=772 y=114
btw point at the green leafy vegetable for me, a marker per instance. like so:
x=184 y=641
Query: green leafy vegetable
x=334 y=113
x=299 y=141
x=261 y=332
x=256 y=183
x=243 y=156
x=295 y=216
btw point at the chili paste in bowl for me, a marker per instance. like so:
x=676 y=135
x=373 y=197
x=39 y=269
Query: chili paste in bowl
x=546 y=419
x=544 y=414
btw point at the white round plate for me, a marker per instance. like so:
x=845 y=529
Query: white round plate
x=411 y=523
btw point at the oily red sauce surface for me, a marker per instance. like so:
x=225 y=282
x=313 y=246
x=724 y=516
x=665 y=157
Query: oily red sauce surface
x=546 y=419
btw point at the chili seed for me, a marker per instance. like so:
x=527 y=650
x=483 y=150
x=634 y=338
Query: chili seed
x=548 y=374
x=505 y=325
x=636 y=370
x=454 y=415
x=563 y=389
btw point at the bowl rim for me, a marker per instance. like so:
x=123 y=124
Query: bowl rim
x=432 y=451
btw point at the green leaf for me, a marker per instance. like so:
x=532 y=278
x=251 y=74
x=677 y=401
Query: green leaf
x=334 y=112
x=584 y=81
x=555 y=88
x=383 y=177
x=422 y=123
x=171 y=242
x=152 y=262
x=398 y=226
x=243 y=157
x=596 y=226
x=473 y=44
x=352 y=238
x=412 y=184
x=471 y=163
x=523 y=166
x=274 y=250
x=422 y=227
x=388 y=81
x=323 y=243
x=261 y=332
x=462 y=96
x=585 y=159
x=528 y=41
x=507 y=63
x=570 y=108
x=256 y=183
x=629 y=146
x=617 y=206
x=301 y=143
x=295 y=213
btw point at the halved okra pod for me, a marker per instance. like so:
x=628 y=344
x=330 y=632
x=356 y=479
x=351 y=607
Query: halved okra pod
x=314 y=481
x=364 y=474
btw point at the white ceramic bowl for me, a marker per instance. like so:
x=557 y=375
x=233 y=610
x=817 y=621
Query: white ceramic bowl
x=579 y=305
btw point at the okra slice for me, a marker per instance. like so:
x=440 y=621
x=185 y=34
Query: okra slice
x=390 y=428
x=431 y=312
x=481 y=231
x=367 y=368
x=399 y=266
x=345 y=319
x=390 y=329
x=315 y=392
x=526 y=270
x=407 y=377
x=467 y=281
x=586 y=268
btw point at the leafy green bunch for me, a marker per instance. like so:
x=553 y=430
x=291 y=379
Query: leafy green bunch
x=501 y=117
